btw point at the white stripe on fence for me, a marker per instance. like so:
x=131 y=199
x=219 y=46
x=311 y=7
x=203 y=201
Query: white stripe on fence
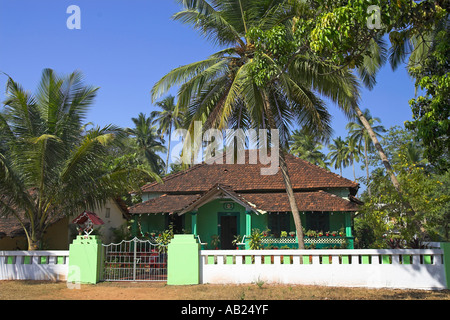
x=34 y=265
x=402 y=268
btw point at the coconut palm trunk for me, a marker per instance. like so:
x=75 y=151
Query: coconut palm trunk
x=292 y=202
x=366 y=159
x=286 y=178
x=379 y=148
x=168 y=150
x=385 y=161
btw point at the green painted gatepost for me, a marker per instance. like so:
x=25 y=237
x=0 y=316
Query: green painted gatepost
x=85 y=260
x=183 y=260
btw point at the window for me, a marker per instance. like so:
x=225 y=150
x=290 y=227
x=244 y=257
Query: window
x=279 y=222
x=177 y=222
x=317 y=221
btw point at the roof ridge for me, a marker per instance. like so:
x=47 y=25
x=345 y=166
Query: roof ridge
x=173 y=175
x=322 y=169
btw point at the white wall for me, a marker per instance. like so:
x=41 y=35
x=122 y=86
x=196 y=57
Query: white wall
x=55 y=268
x=416 y=275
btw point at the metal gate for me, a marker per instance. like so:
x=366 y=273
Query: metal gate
x=135 y=260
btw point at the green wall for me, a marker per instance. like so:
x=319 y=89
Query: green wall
x=208 y=221
x=207 y=218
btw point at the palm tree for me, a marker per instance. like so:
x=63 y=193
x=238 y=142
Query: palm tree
x=167 y=119
x=51 y=165
x=223 y=90
x=304 y=146
x=359 y=133
x=339 y=153
x=353 y=153
x=148 y=142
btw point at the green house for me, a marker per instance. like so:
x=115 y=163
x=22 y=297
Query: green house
x=221 y=201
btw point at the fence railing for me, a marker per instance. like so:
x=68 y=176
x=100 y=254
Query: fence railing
x=34 y=265
x=403 y=268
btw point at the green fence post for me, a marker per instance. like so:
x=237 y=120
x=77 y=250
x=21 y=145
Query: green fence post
x=85 y=260
x=183 y=265
x=445 y=246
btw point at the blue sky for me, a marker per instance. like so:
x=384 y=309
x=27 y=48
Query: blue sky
x=125 y=46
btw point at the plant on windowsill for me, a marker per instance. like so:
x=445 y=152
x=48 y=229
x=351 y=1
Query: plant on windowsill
x=311 y=234
x=292 y=234
x=283 y=234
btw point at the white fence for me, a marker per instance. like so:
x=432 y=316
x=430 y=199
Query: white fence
x=34 y=265
x=403 y=268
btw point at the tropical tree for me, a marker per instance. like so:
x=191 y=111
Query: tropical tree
x=50 y=165
x=429 y=66
x=338 y=154
x=306 y=147
x=257 y=79
x=422 y=185
x=359 y=133
x=147 y=142
x=349 y=35
x=167 y=119
x=353 y=153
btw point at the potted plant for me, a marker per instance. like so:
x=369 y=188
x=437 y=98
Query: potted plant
x=215 y=241
x=236 y=241
x=292 y=234
x=320 y=234
x=311 y=234
x=255 y=239
x=283 y=234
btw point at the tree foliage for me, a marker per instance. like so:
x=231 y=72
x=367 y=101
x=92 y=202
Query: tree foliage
x=425 y=189
x=51 y=164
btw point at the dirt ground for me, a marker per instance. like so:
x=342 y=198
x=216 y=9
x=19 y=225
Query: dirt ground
x=36 y=290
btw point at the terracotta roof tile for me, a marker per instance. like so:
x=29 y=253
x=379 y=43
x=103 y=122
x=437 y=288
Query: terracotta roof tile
x=164 y=204
x=306 y=201
x=10 y=227
x=247 y=177
x=262 y=202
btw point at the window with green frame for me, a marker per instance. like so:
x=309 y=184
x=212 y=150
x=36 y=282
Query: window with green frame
x=278 y=222
x=318 y=221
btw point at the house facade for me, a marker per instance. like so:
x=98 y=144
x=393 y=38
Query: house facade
x=221 y=201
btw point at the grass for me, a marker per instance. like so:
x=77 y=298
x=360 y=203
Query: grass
x=38 y=290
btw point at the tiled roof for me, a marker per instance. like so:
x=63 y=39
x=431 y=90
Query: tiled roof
x=10 y=227
x=306 y=201
x=258 y=202
x=247 y=177
x=164 y=204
